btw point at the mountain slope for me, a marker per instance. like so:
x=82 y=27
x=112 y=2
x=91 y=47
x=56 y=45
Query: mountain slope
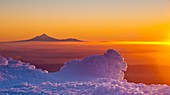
x=47 y=38
x=43 y=37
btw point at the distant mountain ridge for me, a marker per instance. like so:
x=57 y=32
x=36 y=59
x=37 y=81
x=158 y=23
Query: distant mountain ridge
x=46 y=38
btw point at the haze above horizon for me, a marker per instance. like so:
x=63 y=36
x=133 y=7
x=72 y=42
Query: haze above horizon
x=89 y=20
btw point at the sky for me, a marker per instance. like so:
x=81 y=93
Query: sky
x=91 y=20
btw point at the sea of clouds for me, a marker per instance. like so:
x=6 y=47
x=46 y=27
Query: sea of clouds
x=94 y=75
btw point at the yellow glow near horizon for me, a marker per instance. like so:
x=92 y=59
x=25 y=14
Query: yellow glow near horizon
x=134 y=43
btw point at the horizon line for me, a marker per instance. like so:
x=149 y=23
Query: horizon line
x=111 y=42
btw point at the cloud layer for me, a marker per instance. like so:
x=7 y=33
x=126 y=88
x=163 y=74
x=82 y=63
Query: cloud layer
x=105 y=73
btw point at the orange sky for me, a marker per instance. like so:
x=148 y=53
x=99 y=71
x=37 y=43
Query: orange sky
x=92 y=20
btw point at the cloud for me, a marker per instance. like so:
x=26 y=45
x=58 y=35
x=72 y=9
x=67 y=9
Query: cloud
x=108 y=65
x=3 y=61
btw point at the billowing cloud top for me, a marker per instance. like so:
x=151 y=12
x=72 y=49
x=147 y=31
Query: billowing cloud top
x=3 y=61
x=109 y=65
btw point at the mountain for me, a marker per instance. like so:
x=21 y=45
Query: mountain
x=47 y=38
x=43 y=37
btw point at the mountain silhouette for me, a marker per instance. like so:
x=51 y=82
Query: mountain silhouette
x=46 y=38
x=43 y=37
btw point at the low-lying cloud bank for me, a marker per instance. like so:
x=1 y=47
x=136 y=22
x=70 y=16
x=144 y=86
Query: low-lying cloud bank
x=94 y=75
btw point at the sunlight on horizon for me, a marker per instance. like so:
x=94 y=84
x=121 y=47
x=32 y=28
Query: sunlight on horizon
x=140 y=42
